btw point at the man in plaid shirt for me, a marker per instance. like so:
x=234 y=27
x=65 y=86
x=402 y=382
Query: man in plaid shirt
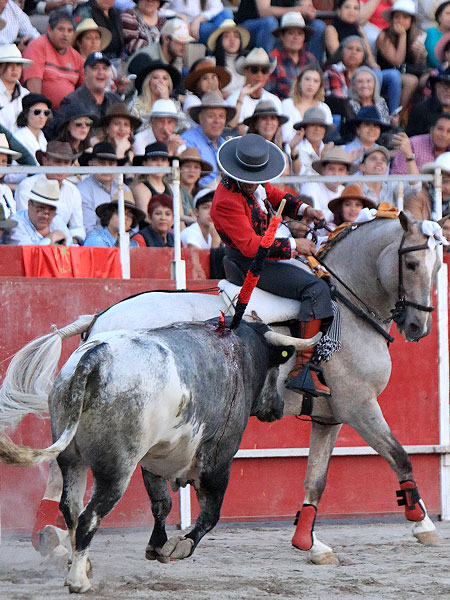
x=426 y=147
x=292 y=56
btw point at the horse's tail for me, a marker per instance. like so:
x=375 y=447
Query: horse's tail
x=30 y=374
x=24 y=456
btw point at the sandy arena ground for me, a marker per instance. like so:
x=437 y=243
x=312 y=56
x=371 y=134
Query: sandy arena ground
x=379 y=561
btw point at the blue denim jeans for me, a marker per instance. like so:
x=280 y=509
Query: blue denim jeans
x=390 y=86
x=315 y=43
x=261 y=32
x=207 y=27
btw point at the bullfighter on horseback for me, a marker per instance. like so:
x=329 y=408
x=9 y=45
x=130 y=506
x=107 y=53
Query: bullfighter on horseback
x=242 y=208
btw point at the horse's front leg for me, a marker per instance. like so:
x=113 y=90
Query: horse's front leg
x=323 y=439
x=369 y=422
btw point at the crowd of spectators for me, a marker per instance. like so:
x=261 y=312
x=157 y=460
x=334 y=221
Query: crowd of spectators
x=141 y=83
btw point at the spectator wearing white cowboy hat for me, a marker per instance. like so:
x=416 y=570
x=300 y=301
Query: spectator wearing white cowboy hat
x=212 y=115
x=419 y=204
x=307 y=145
x=7 y=201
x=227 y=44
x=108 y=213
x=89 y=37
x=39 y=224
x=58 y=154
x=292 y=56
x=256 y=67
x=334 y=162
x=11 y=92
x=240 y=213
x=163 y=121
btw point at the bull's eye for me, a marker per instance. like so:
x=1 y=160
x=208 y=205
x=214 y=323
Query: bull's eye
x=411 y=266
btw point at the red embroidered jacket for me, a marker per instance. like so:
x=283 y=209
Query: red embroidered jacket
x=241 y=223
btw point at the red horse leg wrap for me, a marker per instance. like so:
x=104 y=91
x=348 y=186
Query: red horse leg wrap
x=409 y=497
x=305 y=519
x=47 y=514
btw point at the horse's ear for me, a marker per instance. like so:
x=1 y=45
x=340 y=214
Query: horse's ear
x=405 y=221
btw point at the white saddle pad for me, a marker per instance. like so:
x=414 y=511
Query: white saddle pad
x=269 y=307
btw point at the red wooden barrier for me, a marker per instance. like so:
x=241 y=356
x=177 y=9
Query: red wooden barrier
x=260 y=488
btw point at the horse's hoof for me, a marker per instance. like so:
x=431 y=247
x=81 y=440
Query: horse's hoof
x=324 y=558
x=177 y=548
x=427 y=538
x=155 y=554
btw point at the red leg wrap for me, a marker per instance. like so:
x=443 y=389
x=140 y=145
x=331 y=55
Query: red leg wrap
x=47 y=514
x=409 y=497
x=303 y=538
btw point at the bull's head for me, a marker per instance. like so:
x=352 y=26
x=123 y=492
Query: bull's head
x=270 y=404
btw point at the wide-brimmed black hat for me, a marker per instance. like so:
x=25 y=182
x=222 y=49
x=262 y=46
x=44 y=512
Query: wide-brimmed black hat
x=31 y=99
x=369 y=114
x=251 y=159
x=152 y=151
x=103 y=150
x=76 y=111
x=142 y=65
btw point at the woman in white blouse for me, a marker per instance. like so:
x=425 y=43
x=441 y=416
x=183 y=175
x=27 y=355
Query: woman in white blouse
x=307 y=92
x=36 y=109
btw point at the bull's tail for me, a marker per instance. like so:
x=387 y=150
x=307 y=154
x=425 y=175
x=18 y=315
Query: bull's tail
x=24 y=456
x=31 y=372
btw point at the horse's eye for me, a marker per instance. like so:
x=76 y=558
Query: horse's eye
x=411 y=266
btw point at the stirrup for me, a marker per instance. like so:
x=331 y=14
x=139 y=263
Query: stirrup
x=302 y=382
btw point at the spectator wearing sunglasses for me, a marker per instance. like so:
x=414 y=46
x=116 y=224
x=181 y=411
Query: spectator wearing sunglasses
x=75 y=127
x=256 y=67
x=30 y=122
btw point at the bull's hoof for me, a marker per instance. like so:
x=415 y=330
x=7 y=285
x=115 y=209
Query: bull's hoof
x=177 y=547
x=427 y=538
x=324 y=558
x=155 y=554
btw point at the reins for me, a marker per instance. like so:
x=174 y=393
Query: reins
x=397 y=313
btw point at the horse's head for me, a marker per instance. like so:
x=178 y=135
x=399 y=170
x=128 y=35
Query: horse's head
x=416 y=274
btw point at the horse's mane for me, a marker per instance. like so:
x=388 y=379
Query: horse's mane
x=329 y=245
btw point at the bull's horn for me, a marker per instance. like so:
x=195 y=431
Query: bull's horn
x=278 y=339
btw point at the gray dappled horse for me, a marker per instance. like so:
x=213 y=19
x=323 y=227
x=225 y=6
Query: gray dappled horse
x=373 y=260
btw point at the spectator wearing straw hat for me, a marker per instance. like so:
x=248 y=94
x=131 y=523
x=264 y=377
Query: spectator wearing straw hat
x=292 y=56
x=89 y=37
x=212 y=115
x=38 y=224
x=11 y=92
x=256 y=67
x=164 y=119
x=108 y=213
x=58 y=154
x=106 y=16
